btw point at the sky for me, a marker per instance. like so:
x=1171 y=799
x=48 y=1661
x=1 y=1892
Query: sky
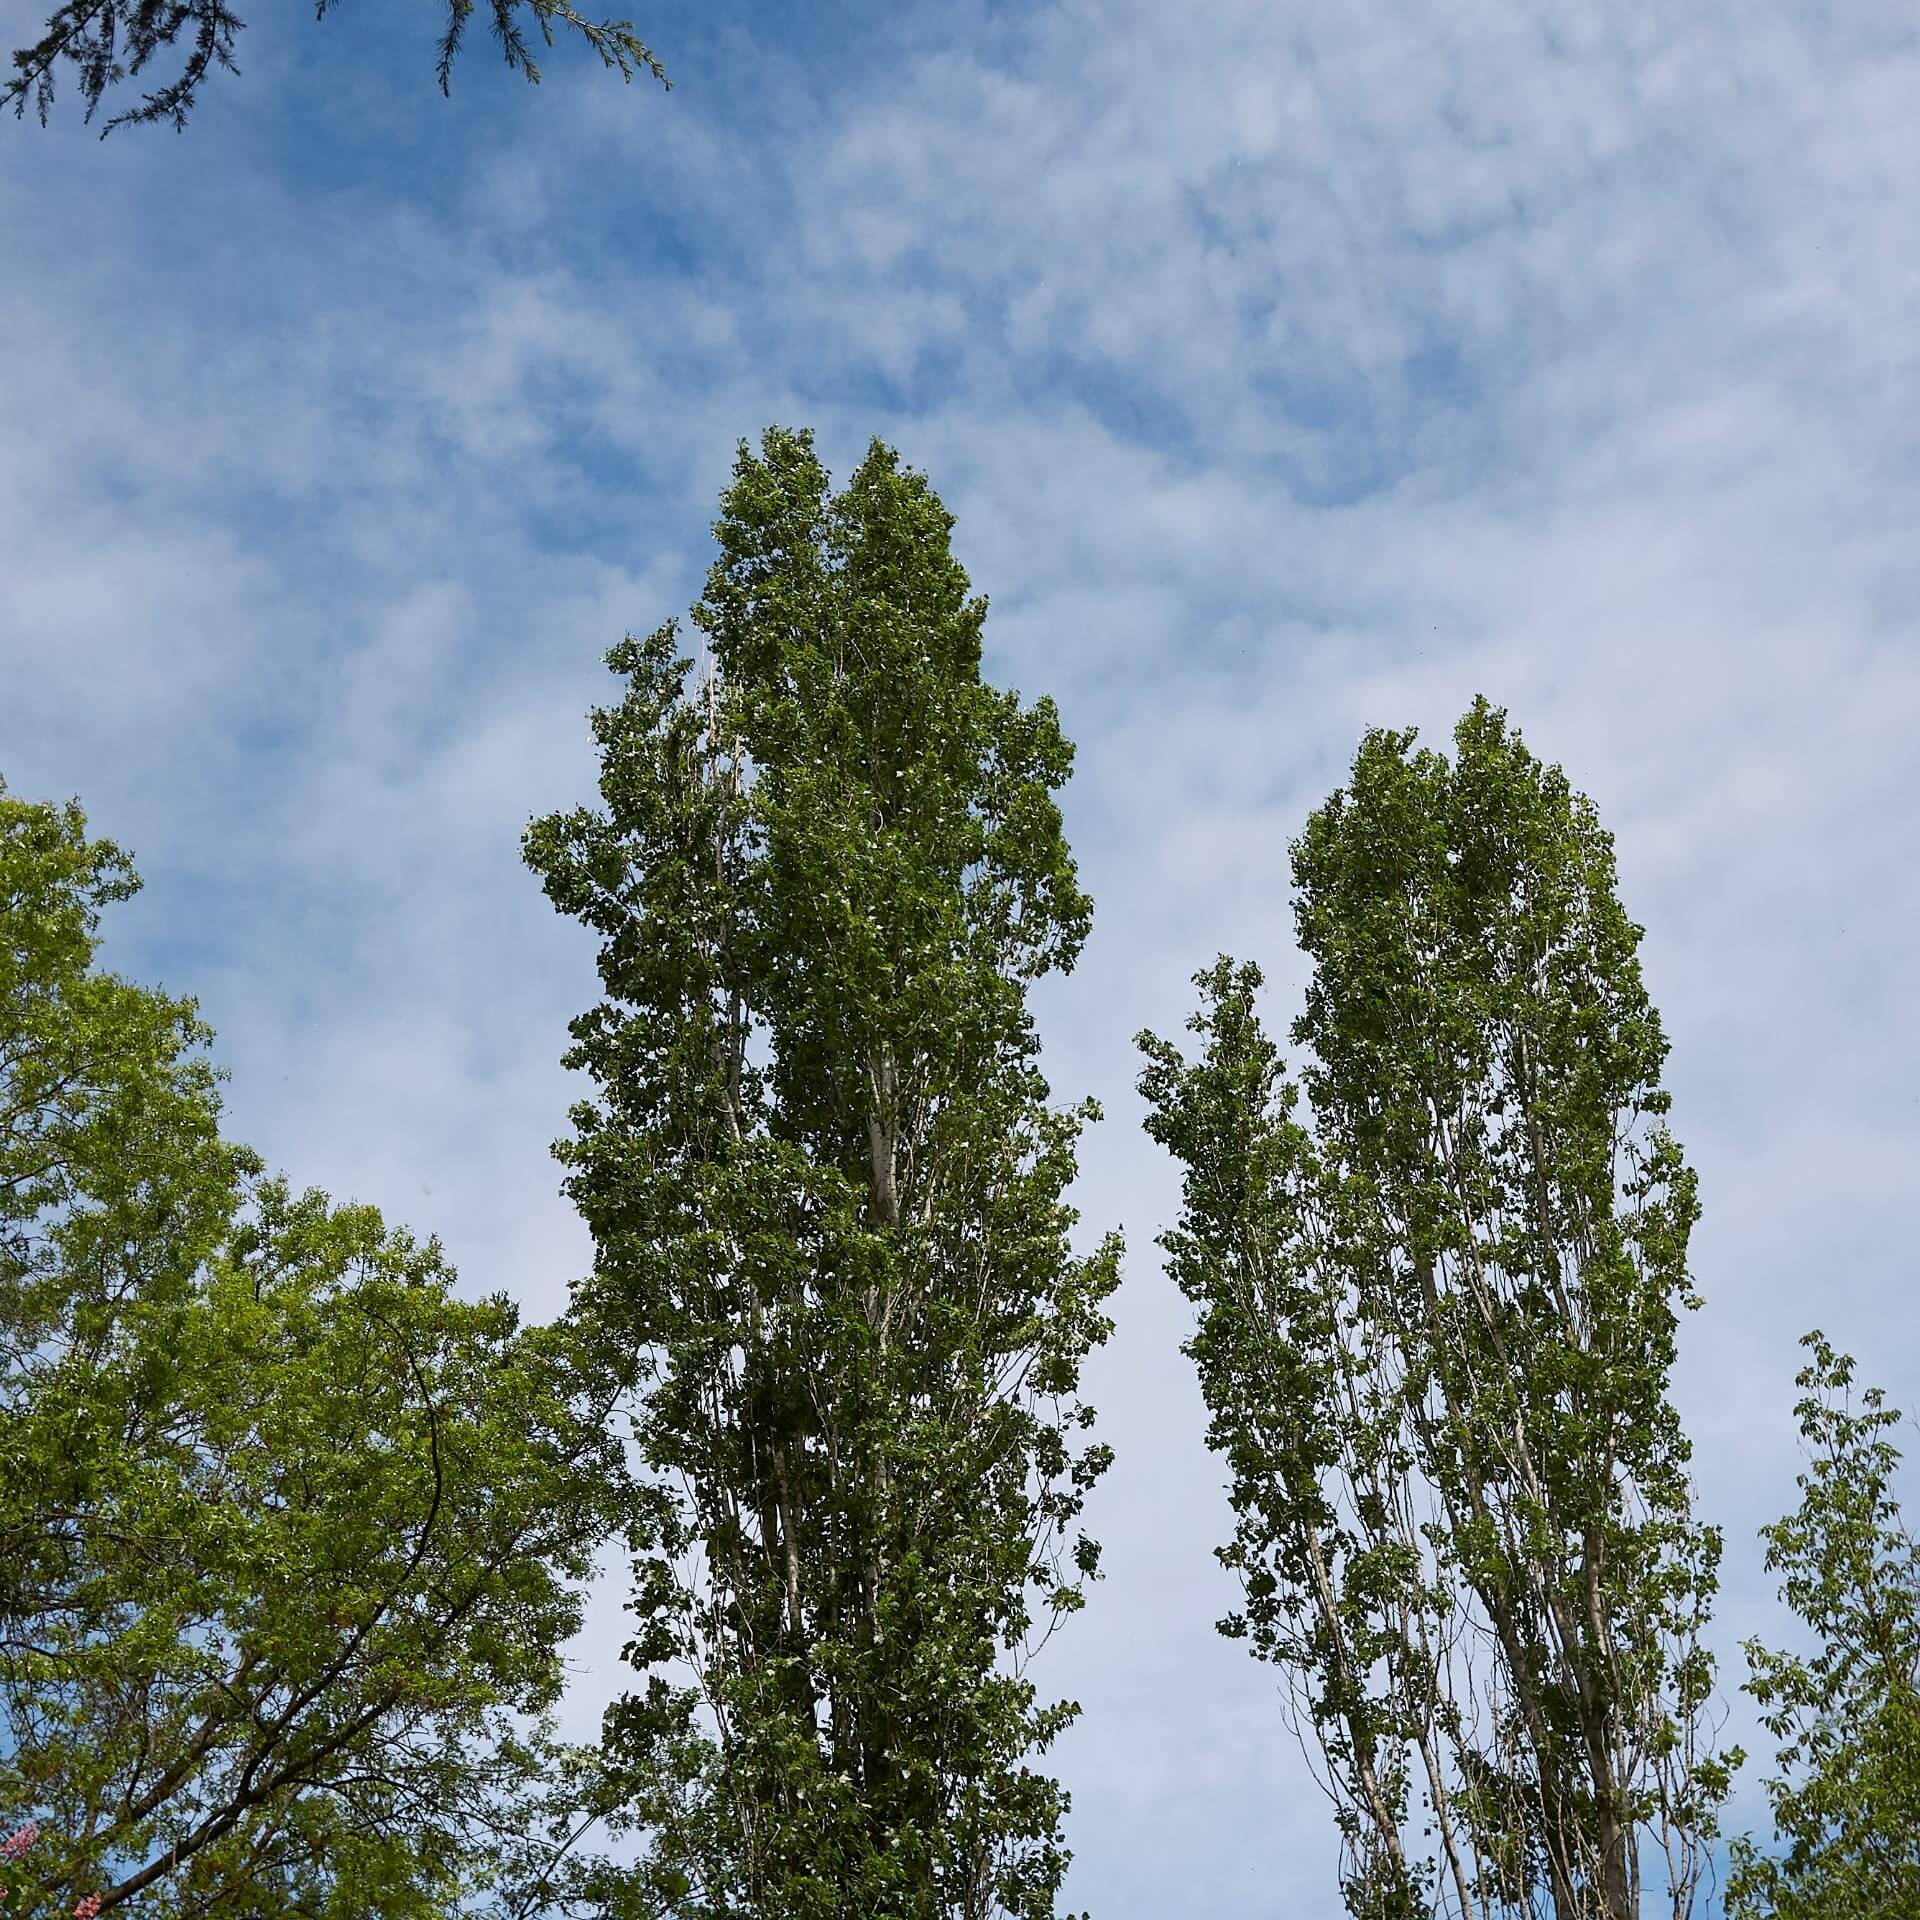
x=1289 y=370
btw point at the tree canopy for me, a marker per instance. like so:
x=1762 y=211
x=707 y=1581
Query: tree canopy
x=291 y=1535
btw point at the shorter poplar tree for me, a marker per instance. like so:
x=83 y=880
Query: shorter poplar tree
x=1435 y=1333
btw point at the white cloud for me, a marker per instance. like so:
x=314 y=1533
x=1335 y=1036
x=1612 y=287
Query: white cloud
x=1288 y=373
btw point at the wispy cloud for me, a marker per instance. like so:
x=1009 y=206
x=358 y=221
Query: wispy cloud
x=1289 y=371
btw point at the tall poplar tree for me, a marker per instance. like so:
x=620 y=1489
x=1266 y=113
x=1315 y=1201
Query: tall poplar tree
x=826 y=1189
x=1435 y=1336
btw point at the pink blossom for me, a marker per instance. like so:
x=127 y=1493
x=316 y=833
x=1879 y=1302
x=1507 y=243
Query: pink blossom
x=17 y=1843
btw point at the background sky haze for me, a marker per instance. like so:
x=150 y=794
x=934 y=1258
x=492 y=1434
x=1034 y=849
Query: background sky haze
x=1289 y=369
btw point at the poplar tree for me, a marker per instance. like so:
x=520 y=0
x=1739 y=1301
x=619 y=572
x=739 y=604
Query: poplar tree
x=826 y=1190
x=1436 y=1328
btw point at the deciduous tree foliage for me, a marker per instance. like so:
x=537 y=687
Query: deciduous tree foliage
x=106 y=42
x=114 y=1182
x=292 y=1535
x=1846 y=1799
x=826 y=1191
x=1435 y=1335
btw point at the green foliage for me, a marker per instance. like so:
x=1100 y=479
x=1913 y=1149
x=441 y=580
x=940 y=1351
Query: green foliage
x=106 y=42
x=114 y=1182
x=289 y=1529
x=1434 y=1343
x=826 y=1192
x=1846 y=1800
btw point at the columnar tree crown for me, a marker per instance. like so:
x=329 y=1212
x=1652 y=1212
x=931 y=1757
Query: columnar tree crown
x=1437 y=1328
x=827 y=1192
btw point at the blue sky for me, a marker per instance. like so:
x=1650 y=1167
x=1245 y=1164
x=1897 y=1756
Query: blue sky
x=1289 y=370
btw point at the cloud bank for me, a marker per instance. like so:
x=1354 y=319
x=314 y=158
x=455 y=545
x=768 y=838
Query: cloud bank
x=1289 y=371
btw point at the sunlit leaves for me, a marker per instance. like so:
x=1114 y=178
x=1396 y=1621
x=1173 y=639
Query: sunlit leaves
x=292 y=1533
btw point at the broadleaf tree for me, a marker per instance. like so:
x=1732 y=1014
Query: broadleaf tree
x=1846 y=1798
x=827 y=1193
x=1437 y=1319
x=115 y=1182
x=293 y=1535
